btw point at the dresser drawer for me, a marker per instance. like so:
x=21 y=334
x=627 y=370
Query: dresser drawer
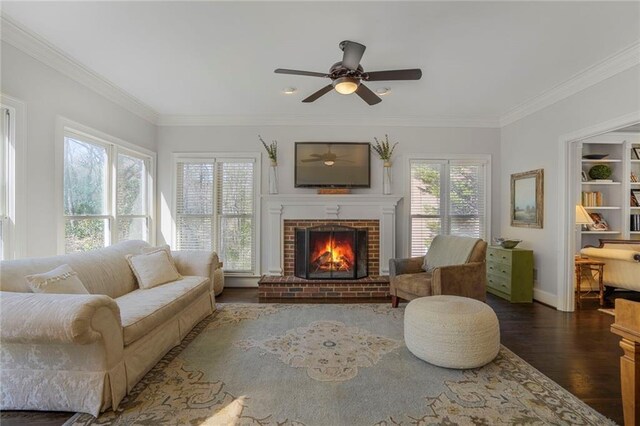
x=500 y=256
x=501 y=269
x=499 y=283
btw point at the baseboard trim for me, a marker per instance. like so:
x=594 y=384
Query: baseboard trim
x=545 y=297
x=241 y=281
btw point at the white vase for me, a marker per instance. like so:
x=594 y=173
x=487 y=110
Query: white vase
x=273 y=178
x=386 y=178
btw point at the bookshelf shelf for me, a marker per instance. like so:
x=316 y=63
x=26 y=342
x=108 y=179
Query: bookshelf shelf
x=607 y=160
x=601 y=232
x=602 y=207
x=600 y=183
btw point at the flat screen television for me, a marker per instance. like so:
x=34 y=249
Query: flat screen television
x=332 y=165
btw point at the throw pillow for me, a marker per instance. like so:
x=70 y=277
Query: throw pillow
x=165 y=248
x=152 y=269
x=61 y=280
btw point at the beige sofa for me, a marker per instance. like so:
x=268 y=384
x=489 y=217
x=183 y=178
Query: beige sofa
x=84 y=353
x=622 y=262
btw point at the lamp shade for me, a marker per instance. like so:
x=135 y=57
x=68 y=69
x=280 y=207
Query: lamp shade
x=582 y=217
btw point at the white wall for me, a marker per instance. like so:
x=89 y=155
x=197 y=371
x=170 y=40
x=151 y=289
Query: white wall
x=47 y=95
x=533 y=143
x=412 y=140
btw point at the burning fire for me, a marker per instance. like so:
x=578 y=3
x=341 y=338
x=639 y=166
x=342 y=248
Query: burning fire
x=332 y=254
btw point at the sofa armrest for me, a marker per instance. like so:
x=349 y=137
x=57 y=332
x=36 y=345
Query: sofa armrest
x=411 y=265
x=609 y=253
x=467 y=280
x=57 y=318
x=201 y=263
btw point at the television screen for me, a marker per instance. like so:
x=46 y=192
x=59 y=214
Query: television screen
x=332 y=164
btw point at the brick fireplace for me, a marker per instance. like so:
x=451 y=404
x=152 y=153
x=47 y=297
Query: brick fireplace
x=285 y=213
x=373 y=244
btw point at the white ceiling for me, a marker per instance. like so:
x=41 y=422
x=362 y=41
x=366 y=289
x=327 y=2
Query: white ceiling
x=479 y=59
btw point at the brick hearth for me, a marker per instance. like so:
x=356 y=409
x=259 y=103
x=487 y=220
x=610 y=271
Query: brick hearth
x=294 y=287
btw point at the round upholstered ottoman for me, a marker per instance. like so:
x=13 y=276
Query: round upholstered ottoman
x=451 y=331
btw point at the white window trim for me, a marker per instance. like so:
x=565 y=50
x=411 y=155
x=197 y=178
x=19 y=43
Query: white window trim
x=485 y=158
x=181 y=157
x=65 y=126
x=15 y=244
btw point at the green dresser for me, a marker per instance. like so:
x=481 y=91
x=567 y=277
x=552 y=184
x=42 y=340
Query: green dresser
x=510 y=273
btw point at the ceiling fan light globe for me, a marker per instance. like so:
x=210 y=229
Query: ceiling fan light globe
x=329 y=163
x=346 y=85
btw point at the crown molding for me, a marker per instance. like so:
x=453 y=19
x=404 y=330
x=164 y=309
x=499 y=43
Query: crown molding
x=615 y=64
x=323 y=120
x=38 y=48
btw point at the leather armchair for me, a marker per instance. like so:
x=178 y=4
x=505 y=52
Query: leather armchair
x=409 y=281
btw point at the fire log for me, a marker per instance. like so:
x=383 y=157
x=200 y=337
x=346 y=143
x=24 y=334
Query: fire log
x=321 y=260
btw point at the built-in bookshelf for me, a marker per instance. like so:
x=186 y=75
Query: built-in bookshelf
x=610 y=199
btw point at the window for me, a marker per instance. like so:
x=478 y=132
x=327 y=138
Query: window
x=106 y=193
x=5 y=144
x=216 y=208
x=447 y=197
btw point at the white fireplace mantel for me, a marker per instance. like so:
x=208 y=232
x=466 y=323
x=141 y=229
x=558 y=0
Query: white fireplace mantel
x=323 y=207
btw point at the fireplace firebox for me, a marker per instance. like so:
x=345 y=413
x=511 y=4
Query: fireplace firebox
x=331 y=252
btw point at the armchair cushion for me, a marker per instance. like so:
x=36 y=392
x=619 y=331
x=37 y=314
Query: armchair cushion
x=417 y=284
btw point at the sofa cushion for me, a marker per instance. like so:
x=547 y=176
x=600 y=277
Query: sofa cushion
x=61 y=280
x=143 y=310
x=418 y=284
x=153 y=268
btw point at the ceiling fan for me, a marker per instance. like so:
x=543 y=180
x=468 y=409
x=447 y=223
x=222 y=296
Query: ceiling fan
x=328 y=158
x=347 y=75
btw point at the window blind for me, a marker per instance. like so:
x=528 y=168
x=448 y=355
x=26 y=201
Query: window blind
x=235 y=207
x=194 y=206
x=447 y=197
x=4 y=149
x=215 y=209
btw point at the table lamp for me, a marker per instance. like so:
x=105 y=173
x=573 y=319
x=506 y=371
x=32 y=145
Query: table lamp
x=582 y=217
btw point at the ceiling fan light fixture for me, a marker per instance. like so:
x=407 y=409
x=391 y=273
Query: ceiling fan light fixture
x=346 y=85
x=289 y=90
x=329 y=163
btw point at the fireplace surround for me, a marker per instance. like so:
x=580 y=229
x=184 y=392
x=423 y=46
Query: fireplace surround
x=285 y=212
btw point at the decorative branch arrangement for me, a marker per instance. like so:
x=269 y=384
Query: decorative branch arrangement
x=384 y=149
x=272 y=149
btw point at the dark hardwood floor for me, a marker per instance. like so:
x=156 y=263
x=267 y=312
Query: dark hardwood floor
x=576 y=350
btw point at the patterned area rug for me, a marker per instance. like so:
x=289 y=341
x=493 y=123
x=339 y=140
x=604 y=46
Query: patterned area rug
x=274 y=364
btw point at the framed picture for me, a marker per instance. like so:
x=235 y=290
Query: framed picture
x=599 y=224
x=635 y=198
x=527 y=199
x=585 y=178
x=637 y=152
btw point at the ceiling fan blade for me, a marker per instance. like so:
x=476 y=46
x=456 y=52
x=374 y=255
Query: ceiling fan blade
x=352 y=54
x=311 y=161
x=326 y=89
x=367 y=95
x=412 y=74
x=298 y=72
